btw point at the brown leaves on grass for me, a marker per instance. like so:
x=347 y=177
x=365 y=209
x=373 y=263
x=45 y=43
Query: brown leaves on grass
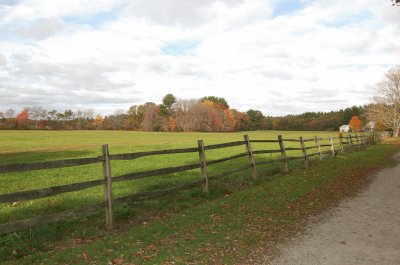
x=117 y=262
x=303 y=208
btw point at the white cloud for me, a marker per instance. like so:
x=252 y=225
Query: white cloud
x=111 y=54
x=41 y=28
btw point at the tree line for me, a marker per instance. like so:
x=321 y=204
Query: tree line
x=213 y=114
x=208 y=114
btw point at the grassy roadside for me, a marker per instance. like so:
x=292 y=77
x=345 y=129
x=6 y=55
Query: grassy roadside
x=233 y=228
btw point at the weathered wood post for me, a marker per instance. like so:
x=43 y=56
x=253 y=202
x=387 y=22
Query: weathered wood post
x=351 y=141
x=364 y=141
x=108 y=195
x=203 y=166
x=341 y=142
x=304 y=151
x=251 y=156
x=318 y=148
x=332 y=147
x=357 y=143
x=348 y=143
x=283 y=153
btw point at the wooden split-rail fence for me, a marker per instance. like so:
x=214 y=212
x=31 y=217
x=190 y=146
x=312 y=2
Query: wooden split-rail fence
x=350 y=142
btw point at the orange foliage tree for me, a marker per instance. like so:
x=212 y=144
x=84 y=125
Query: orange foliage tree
x=22 y=117
x=171 y=124
x=98 y=121
x=355 y=124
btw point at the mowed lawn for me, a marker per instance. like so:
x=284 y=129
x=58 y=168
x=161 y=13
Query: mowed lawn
x=37 y=146
x=17 y=142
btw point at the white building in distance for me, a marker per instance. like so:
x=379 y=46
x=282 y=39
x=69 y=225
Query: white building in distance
x=344 y=128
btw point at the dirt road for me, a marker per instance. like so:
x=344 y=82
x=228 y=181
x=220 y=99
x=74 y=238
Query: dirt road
x=362 y=230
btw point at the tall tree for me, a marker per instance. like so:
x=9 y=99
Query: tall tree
x=98 y=121
x=10 y=118
x=134 y=117
x=168 y=101
x=151 y=118
x=9 y=114
x=348 y=113
x=38 y=113
x=386 y=107
x=256 y=119
x=69 y=114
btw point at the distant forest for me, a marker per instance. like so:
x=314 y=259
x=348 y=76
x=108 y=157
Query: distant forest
x=209 y=114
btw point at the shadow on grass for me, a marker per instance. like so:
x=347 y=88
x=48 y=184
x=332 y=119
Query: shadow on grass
x=40 y=156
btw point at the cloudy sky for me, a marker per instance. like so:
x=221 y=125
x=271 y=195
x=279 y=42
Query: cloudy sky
x=276 y=56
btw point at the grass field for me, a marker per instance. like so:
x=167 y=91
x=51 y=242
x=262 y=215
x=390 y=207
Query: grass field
x=35 y=146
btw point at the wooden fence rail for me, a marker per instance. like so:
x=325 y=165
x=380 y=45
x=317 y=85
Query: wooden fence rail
x=349 y=143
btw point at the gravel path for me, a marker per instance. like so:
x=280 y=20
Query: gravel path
x=362 y=230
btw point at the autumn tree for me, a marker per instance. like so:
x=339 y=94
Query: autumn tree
x=135 y=114
x=183 y=114
x=386 y=107
x=38 y=113
x=9 y=115
x=242 y=121
x=221 y=102
x=151 y=118
x=98 y=121
x=200 y=118
x=355 y=124
x=22 y=117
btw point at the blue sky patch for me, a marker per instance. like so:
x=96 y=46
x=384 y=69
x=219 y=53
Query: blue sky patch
x=179 y=47
x=94 y=20
x=287 y=7
x=349 y=19
x=9 y=2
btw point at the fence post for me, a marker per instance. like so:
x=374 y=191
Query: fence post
x=203 y=166
x=349 y=147
x=351 y=142
x=332 y=147
x=251 y=156
x=364 y=145
x=318 y=148
x=283 y=153
x=365 y=140
x=303 y=149
x=108 y=195
x=341 y=142
x=358 y=145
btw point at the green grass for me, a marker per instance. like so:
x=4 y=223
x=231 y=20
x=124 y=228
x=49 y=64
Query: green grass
x=31 y=146
x=231 y=228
